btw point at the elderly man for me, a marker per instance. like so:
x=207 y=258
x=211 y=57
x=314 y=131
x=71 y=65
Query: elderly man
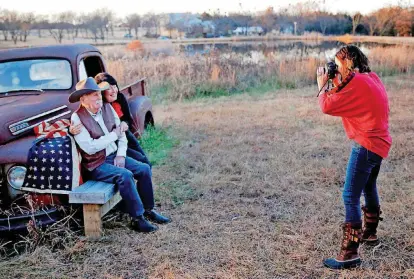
x=103 y=147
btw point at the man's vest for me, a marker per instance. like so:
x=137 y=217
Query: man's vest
x=91 y=162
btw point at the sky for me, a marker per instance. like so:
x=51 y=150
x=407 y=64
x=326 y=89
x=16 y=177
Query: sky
x=123 y=7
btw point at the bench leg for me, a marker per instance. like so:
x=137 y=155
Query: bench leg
x=92 y=220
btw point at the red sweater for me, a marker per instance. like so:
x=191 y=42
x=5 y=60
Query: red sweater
x=117 y=108
x=362 y=102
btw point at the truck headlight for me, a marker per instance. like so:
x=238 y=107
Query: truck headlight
x=15 y=176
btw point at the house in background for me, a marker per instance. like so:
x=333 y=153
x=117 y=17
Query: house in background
x=249 y=31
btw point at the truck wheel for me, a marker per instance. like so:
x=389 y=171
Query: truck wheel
x=149 y=120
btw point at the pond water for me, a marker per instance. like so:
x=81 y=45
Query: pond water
x=283 y=48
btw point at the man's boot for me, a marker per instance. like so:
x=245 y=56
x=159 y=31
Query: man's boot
x=156 y=217
x=140 y=224
x=371 y=220
x=348 y=256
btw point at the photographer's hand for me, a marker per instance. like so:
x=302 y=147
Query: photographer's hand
x=322 y=78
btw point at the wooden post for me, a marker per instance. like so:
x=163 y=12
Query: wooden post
x=92 y=220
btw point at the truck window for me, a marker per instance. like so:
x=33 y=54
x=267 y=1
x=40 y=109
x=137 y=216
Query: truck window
x=45 y=74
x=90 y=67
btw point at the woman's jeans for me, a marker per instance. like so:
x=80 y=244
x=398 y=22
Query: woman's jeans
x=361 y=176
x=134 y=149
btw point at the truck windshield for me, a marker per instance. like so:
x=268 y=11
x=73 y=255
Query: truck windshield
x=35 y=74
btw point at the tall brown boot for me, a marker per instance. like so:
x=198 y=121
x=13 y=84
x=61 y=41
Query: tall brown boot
x=348 y=256
x=371 y=220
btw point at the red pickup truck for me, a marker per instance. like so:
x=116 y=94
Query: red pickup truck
x=34 y=86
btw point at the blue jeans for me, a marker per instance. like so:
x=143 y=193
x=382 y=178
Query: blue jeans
x=135 y=150
x=361 y=176
x=136 y=197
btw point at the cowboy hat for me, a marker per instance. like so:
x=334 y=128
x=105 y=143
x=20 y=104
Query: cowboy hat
x=86 y=86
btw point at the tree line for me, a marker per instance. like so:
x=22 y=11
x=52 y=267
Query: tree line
x=296 y=19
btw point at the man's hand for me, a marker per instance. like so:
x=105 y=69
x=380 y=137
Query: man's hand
x=118 y=131
x=322 y=77
x=119 y=161
x=124 y=127
x=75 y=129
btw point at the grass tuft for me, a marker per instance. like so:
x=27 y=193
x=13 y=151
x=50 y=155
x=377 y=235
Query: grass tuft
x=157 y=142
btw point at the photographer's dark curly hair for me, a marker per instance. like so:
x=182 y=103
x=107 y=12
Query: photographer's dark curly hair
x=358 y=58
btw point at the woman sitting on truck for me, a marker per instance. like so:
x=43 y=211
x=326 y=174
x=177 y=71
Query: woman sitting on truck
x=120 y=105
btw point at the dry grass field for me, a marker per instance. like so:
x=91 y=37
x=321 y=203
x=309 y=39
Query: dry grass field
x=254 y=190
x=180 y=76
x=254 y=185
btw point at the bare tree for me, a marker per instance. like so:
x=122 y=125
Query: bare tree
x=82 y=24
x=77 y=24
x=324 y=21
x=14 y=25
x=59 y=23
x=41 y=22
x=107 y=20
x=10 y=25
x=26 y=23
x=98 y=23
x=385 y=20
x=153 y=23
x=371 y=22
x=268 y=19
x=404 y=23
x=4 y=24
x=301 y=13
x=94 y=25
x=133 y=22
x=303 y=8
x=70 y=26
x=170 y=27
x=356 y=20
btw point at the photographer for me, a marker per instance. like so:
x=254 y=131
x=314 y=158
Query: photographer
x=360 y=99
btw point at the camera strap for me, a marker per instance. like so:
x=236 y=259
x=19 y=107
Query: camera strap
x=323 y=87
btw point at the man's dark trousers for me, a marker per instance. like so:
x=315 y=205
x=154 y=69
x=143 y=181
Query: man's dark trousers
x=136 y=198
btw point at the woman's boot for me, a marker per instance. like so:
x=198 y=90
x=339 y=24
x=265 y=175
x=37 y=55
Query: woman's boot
x=371 y=220
x=348 y=256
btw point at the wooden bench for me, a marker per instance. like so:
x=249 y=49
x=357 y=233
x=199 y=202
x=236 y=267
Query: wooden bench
x=97 y=199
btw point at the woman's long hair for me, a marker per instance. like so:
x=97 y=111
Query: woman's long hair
x=101 y=77
x=358 y=58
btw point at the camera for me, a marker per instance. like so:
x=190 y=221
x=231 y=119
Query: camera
x=331 y=69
